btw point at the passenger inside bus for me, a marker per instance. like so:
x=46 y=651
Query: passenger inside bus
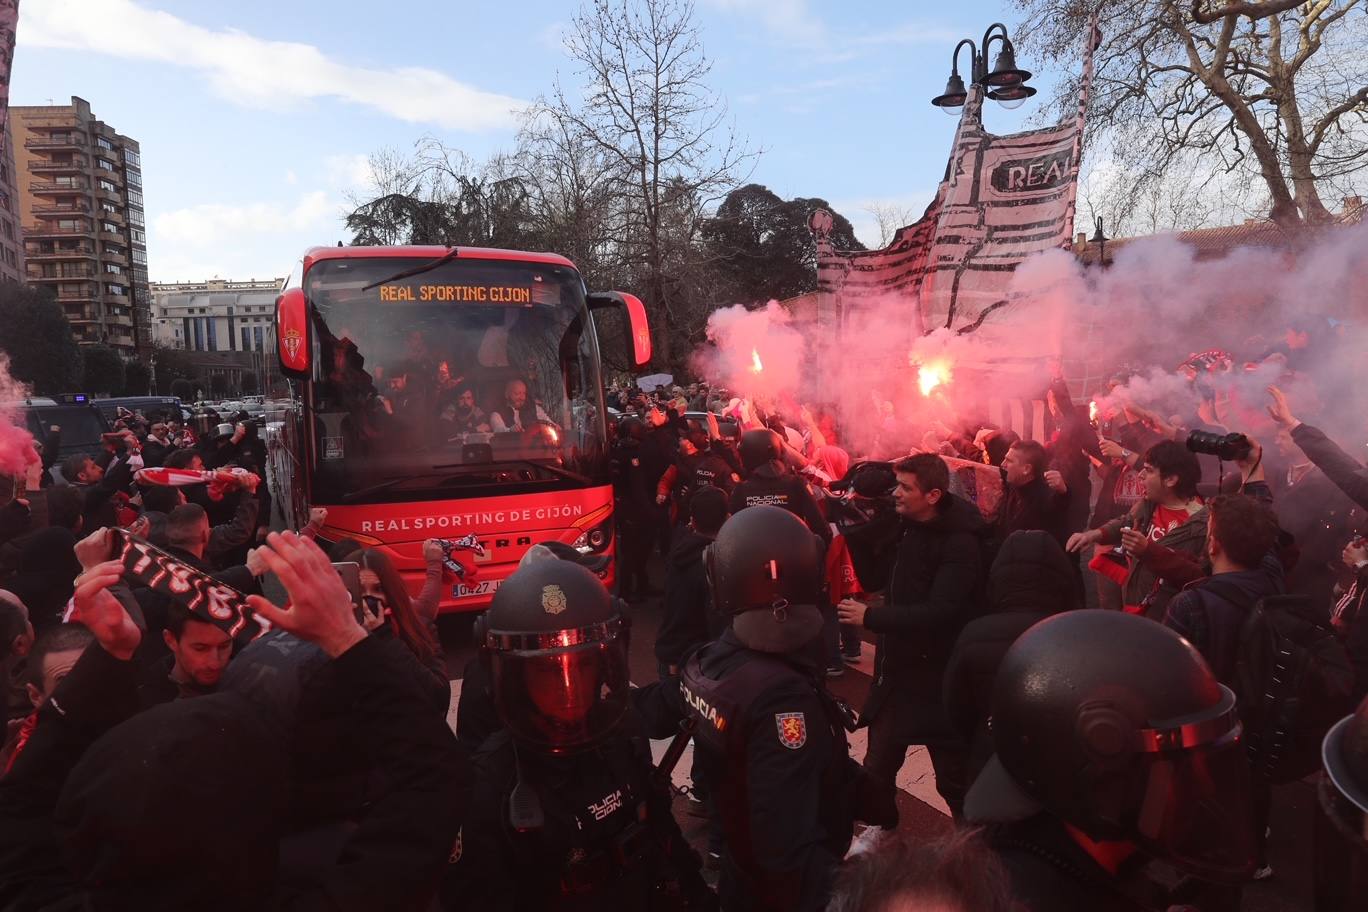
x=518 y=412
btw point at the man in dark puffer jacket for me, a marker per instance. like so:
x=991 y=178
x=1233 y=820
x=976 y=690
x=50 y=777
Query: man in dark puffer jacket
x=1031 y=579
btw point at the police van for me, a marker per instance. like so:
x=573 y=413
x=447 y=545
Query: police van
x=81 y=423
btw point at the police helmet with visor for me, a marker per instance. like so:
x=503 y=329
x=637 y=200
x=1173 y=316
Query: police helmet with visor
x=556 y=646
x=765 y=570
x=1115 y=725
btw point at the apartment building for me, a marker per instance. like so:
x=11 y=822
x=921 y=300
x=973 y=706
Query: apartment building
x=81 y=204
x=11 y=234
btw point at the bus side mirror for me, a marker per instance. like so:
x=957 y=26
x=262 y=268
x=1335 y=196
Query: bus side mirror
x=294 y=344
x=638 y=328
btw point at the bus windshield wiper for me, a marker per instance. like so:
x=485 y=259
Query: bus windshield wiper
x=417 y=270
x=553 y=469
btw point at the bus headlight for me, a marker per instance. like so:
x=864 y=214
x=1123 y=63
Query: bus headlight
x=596 y=539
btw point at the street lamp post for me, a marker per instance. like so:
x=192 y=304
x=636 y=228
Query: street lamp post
x=1005 y=83
x=1100 y=240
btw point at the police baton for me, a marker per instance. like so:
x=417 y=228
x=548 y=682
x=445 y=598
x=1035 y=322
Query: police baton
x=665 y=769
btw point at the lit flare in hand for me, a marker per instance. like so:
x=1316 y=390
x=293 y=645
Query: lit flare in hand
x=930 y=376
x=756 y=365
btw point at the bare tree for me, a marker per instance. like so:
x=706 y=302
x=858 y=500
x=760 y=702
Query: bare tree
x=660 y=133
x=1267 y=90
x=889 y=217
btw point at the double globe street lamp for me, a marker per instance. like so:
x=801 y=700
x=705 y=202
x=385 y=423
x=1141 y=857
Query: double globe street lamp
x=1005 y=82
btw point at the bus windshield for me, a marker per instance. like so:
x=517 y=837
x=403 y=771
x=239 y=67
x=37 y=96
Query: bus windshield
x=476 y=378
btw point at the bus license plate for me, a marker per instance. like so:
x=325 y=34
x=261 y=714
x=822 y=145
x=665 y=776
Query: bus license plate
x=470 y=590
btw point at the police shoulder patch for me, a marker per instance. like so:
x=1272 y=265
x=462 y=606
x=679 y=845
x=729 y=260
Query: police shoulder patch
x=792 y=729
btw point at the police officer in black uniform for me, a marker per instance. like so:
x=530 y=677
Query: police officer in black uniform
x=772 y=738
x=1114 y=743
x=770 y=483
x=701 y=465
x=632 y=492
x=1341 y=866
x=566 y=814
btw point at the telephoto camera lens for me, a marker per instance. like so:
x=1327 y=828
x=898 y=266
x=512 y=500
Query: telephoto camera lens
x=1229 y=447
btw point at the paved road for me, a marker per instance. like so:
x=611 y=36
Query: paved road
x=922 y=812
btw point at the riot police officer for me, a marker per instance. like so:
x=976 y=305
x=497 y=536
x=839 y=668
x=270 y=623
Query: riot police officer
x=700 y=465
x=770 y=483
x=1341 y=866
x=567 y=814
x=1114 y=742
x=773 y=740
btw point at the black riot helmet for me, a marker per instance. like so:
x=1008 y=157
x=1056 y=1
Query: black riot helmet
x=1114 y=724
x=758 y=447
x=557 y=651
x=1341 y=827
x=765 y=569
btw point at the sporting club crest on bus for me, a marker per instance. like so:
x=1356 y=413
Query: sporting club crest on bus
x=292 y=340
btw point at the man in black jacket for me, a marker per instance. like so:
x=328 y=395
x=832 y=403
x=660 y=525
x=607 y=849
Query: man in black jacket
x=935 y=590
x=633 y=491
x=1035 y=495
x=689 y=619
x=93 y=810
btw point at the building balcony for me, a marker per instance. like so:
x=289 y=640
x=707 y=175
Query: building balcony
x=114 y=177
x=118 y=300
x=58 y=211
x=34 y=232
x=81 y=252
x=77 y=165
x=119 y=258
x=40 y=276
x=72 y=141
x=114 y=196
x=125 y=320
x=45 y=187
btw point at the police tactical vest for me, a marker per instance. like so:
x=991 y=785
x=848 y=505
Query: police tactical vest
x=596 y=842
x=720 y=708
x=779 y=492
x=704 y=470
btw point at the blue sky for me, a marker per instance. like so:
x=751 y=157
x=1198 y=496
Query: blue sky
x=256 y=117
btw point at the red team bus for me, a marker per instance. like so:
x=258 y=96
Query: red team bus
x=452 y=394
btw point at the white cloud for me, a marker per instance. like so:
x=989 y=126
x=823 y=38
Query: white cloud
x=347 y=172
x=241 y=240
x=259 y=72
x=291 y=178
x=209 y=224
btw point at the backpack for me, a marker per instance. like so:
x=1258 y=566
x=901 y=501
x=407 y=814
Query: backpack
x=1293 y=681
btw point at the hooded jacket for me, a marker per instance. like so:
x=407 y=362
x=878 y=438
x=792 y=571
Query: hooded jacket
x=1031 y=579
x=934 y=590
x=689 y=620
